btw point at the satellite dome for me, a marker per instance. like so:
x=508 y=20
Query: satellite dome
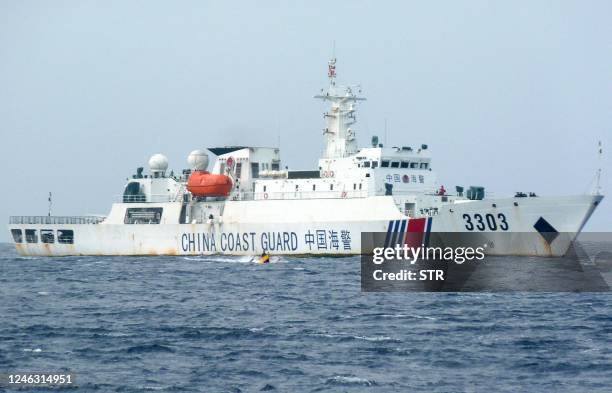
x=198 y=160
x=158 y=163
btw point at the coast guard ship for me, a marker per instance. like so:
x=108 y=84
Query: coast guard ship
x=247 y=204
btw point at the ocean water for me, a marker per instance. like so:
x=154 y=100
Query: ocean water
x=221 y=324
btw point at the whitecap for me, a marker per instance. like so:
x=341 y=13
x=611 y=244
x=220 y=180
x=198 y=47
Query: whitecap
x=374 y=338
x=43 y=293
x=351 y=380
x=407 y=316
x=117 y=334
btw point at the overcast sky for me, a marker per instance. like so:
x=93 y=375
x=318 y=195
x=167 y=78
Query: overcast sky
x=510 y=95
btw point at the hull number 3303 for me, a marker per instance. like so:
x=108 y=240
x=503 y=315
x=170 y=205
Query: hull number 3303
x=489 y=221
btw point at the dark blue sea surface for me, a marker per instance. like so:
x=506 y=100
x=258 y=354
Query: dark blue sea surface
x=222 y=324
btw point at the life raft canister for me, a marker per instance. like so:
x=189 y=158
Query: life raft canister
x=202 y=183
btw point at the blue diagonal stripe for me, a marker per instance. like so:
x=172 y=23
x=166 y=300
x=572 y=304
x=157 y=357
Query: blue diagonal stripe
x=394 y=235
x=428 y=231
x=400 y=238
x=388 y=237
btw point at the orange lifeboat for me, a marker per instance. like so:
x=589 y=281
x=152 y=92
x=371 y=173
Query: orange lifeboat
x=206 y=184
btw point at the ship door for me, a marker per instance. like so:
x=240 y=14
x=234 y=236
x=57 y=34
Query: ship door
x=409 y=209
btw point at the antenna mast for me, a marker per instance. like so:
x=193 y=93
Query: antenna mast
x=339 y=137
x=50 y=204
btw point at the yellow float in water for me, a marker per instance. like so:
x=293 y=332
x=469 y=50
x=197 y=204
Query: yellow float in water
x=265 y=258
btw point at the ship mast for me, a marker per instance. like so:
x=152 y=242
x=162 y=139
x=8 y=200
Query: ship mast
x=340 y=139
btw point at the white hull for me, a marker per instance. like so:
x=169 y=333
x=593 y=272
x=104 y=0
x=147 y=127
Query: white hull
x=322 y=227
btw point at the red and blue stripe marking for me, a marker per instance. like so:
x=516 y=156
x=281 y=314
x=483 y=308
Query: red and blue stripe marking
x=413 y=232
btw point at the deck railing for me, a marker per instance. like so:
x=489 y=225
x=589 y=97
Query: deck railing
x=276 y=195
x=55 y=219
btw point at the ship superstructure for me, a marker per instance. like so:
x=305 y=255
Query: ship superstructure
x=249 y=203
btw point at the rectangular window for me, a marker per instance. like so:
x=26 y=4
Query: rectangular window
x=143 y=215
x=222 y=168
x=47 y=236
x=423 y=165
x=238 y=170
x=31 y=236
x=331 y=187
x=404 y=164
x=65 y=236
x=374 y=164
x=414 y=165
x=17 y=235
x=314 y=187
x=275 y=166
x=384 y=164
x=366 y=164
x=254 y=170
x=395 y=164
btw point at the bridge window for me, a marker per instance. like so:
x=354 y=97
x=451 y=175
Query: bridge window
x=17 y=235
x=384 y=164
x=47 y=236
x=366 y=164
x=423 y=165
x=395 y=164
x=65 y=236
x=132 y=193
x=143 y=215
x=414 y=165
x=238 y=170
x=404 y=164
x=254 y=170
x=31 y=236
x=275 y=166
x=374 y=164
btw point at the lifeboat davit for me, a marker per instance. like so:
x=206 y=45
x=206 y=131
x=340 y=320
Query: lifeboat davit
x=206 y=184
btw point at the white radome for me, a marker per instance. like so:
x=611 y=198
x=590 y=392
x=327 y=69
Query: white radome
x=158 y=163
x=198 y=160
